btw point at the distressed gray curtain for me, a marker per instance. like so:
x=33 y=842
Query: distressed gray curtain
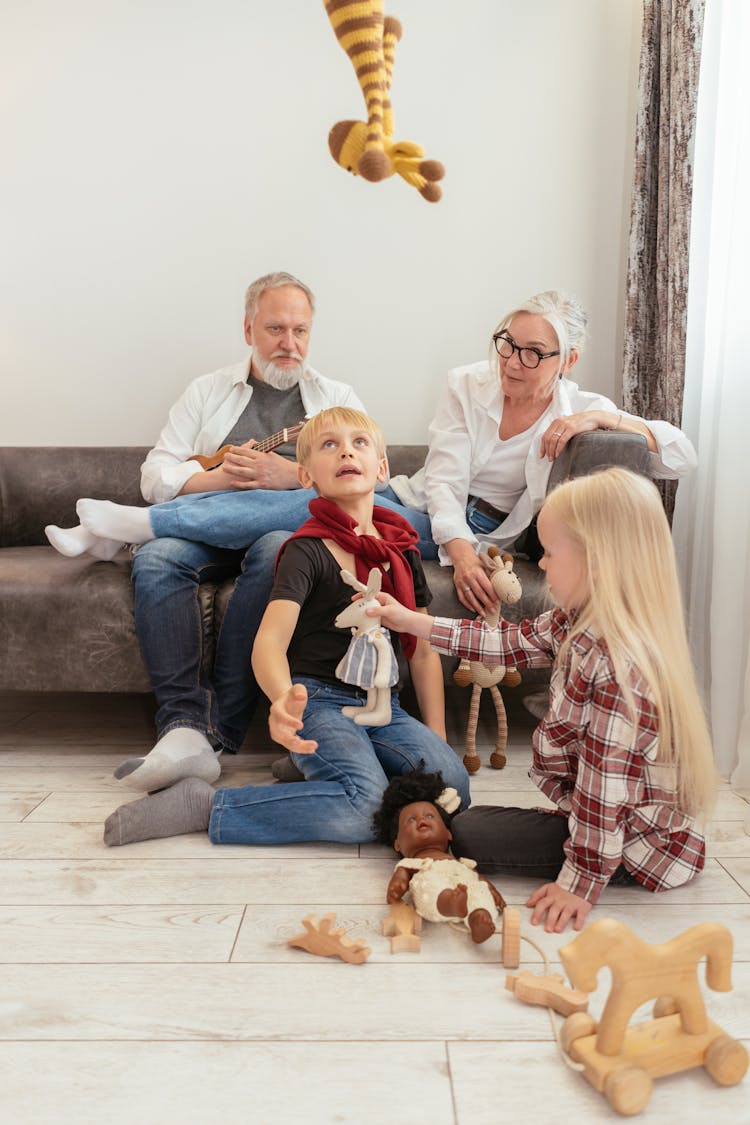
x=656 y=294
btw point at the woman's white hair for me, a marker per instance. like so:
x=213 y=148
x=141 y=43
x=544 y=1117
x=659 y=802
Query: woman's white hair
x=278 y=280
x=564 y=314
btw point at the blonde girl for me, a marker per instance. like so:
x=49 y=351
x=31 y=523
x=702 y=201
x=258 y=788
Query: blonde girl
x=623 y=752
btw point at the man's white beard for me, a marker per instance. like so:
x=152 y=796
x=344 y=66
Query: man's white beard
x=281 y=378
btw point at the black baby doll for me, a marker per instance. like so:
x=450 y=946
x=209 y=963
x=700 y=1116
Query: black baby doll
x=414 y=818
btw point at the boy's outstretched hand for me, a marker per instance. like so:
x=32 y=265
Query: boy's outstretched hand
x=560 y=906
x=285 y=719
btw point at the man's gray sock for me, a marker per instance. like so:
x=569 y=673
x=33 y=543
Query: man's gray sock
x=185 y=807
x=182 y=752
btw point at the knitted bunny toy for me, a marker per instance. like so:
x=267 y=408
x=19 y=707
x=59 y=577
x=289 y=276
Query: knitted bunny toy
x=370 y=661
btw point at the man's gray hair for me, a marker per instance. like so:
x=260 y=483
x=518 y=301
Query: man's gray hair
x=564 y=314
x=256 y=289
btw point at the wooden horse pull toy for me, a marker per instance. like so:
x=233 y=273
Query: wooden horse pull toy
x=550 y=992
x=321 y=939
x=510 y=949
x=619 y=1061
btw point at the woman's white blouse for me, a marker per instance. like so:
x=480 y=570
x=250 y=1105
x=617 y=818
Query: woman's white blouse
x=464 y=444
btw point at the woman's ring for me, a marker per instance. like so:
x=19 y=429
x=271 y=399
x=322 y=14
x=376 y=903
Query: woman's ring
x=557 y=433
x=467 y=589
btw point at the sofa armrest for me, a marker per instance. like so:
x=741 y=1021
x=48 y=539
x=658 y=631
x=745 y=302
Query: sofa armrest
x=600 y=449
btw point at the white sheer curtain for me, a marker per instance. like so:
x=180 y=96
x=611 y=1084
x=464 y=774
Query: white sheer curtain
x=712 y=514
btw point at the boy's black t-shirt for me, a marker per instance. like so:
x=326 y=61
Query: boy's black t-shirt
x=310 y=576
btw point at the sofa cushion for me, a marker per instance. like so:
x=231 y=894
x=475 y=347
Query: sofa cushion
x=68 y=623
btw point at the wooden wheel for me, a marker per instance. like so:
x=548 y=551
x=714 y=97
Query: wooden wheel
x=628 y=1090
x=511 y=946
x=577 y=1026
x=726 y=1060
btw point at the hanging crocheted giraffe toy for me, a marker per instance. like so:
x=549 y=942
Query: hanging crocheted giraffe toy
x=367 y=149
x=507 y=587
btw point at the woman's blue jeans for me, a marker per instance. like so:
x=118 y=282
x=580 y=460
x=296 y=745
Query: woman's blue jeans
x=236 y=520
x=344 y=779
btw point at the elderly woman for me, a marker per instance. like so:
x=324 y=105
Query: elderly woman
x=498 y=427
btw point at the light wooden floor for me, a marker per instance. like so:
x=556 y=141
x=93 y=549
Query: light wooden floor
x=153 y=983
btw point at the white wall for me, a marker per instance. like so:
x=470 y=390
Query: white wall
x=159 y=154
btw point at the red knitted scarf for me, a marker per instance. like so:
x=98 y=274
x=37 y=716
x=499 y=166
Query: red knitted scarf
x=328 y=521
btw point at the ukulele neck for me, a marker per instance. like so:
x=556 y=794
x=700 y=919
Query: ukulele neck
x=275 y=440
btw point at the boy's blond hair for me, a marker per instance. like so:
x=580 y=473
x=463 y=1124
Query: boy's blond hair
x=331 y=418
x=617 y=519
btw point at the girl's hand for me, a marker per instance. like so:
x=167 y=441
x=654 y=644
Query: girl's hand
x=560 y=907
x=397 y=617
x=285 y=719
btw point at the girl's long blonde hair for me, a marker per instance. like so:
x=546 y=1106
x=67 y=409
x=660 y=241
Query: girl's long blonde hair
x=617 y=519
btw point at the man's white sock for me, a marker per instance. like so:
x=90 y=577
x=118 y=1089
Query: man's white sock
x=75 y=541
x=115 y=521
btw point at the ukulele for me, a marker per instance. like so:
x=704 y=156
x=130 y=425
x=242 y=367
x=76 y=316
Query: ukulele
x=289 y=433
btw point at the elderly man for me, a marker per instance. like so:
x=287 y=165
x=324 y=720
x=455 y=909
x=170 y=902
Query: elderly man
x=241 y=405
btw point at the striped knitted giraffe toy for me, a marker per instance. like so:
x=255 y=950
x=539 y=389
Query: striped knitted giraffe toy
x=507 y=587
x=367 y=148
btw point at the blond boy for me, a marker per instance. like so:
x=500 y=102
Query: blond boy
x=341 y=454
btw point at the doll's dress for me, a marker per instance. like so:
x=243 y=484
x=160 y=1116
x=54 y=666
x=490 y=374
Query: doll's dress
x=359 y=665
x=435 y=875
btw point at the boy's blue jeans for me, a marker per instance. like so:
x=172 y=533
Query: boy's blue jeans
x=344 y=779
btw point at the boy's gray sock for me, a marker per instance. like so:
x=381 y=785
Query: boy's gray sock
x=185 y=807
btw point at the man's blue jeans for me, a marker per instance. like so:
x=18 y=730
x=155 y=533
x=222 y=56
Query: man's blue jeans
x=238 y=519
x=344 y=778
x=168 y=621
x=202 y=538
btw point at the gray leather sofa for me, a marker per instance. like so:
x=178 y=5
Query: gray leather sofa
x=67 y=624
